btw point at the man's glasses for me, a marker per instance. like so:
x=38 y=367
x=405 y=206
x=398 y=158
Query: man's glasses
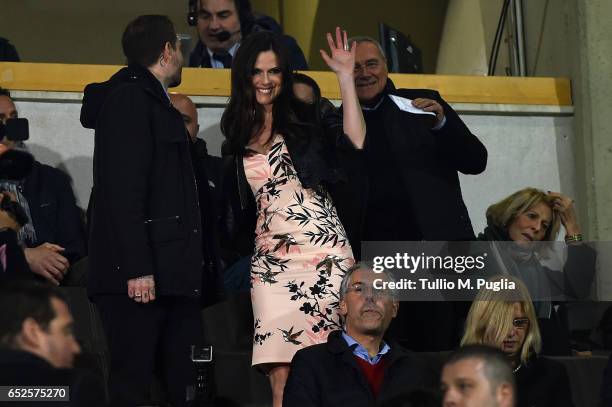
x=520 y=323
x=366 y=290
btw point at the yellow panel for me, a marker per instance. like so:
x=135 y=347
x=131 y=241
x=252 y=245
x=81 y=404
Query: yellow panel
x=268 y=7
x=216 y=82
x=299 y=20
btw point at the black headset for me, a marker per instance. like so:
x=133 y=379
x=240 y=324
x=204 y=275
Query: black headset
x=192 y=15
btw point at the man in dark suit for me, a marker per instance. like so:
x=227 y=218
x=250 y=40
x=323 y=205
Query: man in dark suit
x=356 y=367
x=222 y=24
x=415 y=146
x=37 y=344
x=145 y=245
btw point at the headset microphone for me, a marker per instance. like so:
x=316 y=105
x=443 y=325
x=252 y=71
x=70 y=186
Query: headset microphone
x=225 y=35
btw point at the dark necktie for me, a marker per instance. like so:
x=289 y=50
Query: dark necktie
x=225 y=59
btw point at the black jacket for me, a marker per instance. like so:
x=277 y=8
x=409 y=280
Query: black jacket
x=327 y=375
x=543 y=383
x=55 y=215
x=207 y=171
x=429 y=162
x=144 y=208
x=19 y=369
x=322 y=156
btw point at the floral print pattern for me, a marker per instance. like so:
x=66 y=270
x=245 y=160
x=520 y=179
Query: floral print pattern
x=301 y=254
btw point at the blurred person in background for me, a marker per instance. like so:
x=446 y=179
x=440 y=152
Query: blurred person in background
x=37 y=343
x=223 y=24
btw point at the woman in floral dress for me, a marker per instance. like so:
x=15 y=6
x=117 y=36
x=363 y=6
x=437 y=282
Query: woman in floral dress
x=284 y=177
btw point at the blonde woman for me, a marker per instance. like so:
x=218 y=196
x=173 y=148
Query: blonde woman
x=507 y=320
x=529 y=216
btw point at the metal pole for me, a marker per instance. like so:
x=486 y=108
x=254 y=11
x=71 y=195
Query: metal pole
x=513 y=69
x=520 y=37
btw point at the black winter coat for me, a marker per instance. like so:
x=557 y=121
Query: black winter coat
x=327 y=375
x=144 y=210
x=55 y=215
x=207 y=170
x=429 y=162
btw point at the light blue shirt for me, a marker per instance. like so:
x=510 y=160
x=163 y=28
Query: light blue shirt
x=362 y=353
x=218 y=64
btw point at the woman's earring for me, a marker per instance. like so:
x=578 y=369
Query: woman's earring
x=162 y=63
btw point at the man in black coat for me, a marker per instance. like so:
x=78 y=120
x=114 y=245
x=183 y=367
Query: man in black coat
x=207 y=171
x=222 y=24
x=145 y=245
x=37 y=345
x=356 y=367
x=415 y=146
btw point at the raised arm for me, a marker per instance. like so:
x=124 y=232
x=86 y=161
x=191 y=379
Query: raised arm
x=342 y=62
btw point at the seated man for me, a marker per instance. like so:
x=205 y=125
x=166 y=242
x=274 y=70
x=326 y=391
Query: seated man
x=478 y=376
x=54 y=236
x=37 y=345
x=356 y=367
x=221 y=26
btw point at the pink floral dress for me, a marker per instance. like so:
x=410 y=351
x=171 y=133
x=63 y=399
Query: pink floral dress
x=301 y=254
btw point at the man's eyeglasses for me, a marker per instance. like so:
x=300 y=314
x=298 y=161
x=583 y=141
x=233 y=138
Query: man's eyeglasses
x=520 y=323
x=364 y=290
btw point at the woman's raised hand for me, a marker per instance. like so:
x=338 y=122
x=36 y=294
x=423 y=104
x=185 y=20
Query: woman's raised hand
x=342 y=59
x=567 y=212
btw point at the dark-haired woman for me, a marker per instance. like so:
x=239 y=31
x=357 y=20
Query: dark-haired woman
x=283 y=178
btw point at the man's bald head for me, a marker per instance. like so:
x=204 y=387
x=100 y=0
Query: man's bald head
x=189 y=112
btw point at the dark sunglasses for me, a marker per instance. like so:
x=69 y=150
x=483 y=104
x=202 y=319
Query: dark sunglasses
x=520 y=322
